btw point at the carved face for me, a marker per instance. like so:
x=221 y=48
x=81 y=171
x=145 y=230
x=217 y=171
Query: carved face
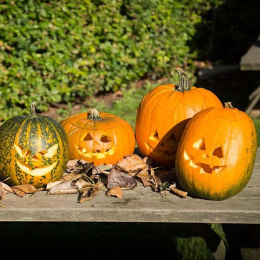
x=36 y=164
x=216 y=153
x=162 y=149
x=95 y=144
x=205 y=161
x=98 y=138
x=162 y=143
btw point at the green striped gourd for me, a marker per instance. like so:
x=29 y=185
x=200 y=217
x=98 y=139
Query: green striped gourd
x=33 y=150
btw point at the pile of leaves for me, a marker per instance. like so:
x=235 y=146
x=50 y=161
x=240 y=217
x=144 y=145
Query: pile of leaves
x=85 y=179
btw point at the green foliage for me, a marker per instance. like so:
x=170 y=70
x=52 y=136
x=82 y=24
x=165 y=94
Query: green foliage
x=57 y=51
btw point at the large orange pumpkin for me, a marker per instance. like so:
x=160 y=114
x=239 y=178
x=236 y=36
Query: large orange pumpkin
x=163 y=114
x=101 y=138
x=216 y=154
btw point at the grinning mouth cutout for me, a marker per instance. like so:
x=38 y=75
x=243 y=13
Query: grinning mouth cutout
x=37 y=171
x=204 y=167
x=96 y=153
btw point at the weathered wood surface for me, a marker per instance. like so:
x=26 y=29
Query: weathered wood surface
x=251 y=59
x=139 y=205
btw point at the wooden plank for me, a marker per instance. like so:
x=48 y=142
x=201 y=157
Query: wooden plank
x=251 y=59
x=138 y=205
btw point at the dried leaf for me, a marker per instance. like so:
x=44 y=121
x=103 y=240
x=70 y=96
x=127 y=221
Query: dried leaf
x=2 y=192
x=157 y=181
x=6 y=187
x=22 y=190
x=145 y=177
x=104 y=168
x=88 y=193
x=20 y=193
x=70 y=176
x=115 y=191
x=131 y=164
x=66 y=187
x=81 y=183
x=121 y=179
x=166 y=176
x=50 y=185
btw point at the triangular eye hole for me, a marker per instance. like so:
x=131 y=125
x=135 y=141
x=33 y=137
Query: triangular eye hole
x=21 y=150
x=51 y=151
x=218 y=152
x=105 y=139
x=200 y=144
x=88 y=137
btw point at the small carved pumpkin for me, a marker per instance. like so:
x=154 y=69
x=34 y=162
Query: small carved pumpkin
x=101 y=138
x=33 y=149
x=216 y=153
x=163 y=114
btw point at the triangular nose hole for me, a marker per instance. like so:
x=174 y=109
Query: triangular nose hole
x=218 y=152
x=88 y=137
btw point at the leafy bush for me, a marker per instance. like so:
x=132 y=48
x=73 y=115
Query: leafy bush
x=56 y=51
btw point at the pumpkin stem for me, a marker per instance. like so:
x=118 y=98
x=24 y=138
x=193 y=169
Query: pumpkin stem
x=94 y=115
x=33 y=109
x=228 y=105
x=184 y=82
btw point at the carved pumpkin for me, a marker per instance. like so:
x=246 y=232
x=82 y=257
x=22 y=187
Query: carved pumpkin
x=216 y=154
x=163 y=114
x=101 y=138
x=33 y=149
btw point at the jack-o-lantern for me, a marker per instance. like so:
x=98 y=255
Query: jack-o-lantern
x=216 y=153
x=33 y=149
x=101 y=138
x=163 y=114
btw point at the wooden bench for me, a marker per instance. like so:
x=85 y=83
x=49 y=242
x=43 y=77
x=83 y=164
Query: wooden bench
x=142 y=205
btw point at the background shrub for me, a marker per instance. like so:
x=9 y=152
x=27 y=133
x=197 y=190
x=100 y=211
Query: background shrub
x=56 y=51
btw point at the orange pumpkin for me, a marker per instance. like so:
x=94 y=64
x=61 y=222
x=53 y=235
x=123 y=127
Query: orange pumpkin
x=216 y=154
x=163 y=114
x=101 y=138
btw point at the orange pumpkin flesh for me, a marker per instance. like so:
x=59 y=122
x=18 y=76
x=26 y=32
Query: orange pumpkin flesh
x=101 y=138
x=163 y=114
x=216 y=154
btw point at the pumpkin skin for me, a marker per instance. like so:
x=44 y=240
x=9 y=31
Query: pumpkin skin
x=163 y=114
x=33 y=150
x=98 y=138
x=216 y=154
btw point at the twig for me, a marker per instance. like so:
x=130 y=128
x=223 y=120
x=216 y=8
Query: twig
x=178 y=192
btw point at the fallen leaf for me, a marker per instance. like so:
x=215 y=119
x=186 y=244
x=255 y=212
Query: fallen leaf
x=72 y=165
x=6 y=187
x=23 y=189
x=156 y=180
x=2 y=192
x=166 y=176
x=115 y=191
x=131 y=164
x=81 y=183
x=145 y=177
x=121 y=179
x=70 y=176
x=50 y=185
x=66 y=187
x=88 y=193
